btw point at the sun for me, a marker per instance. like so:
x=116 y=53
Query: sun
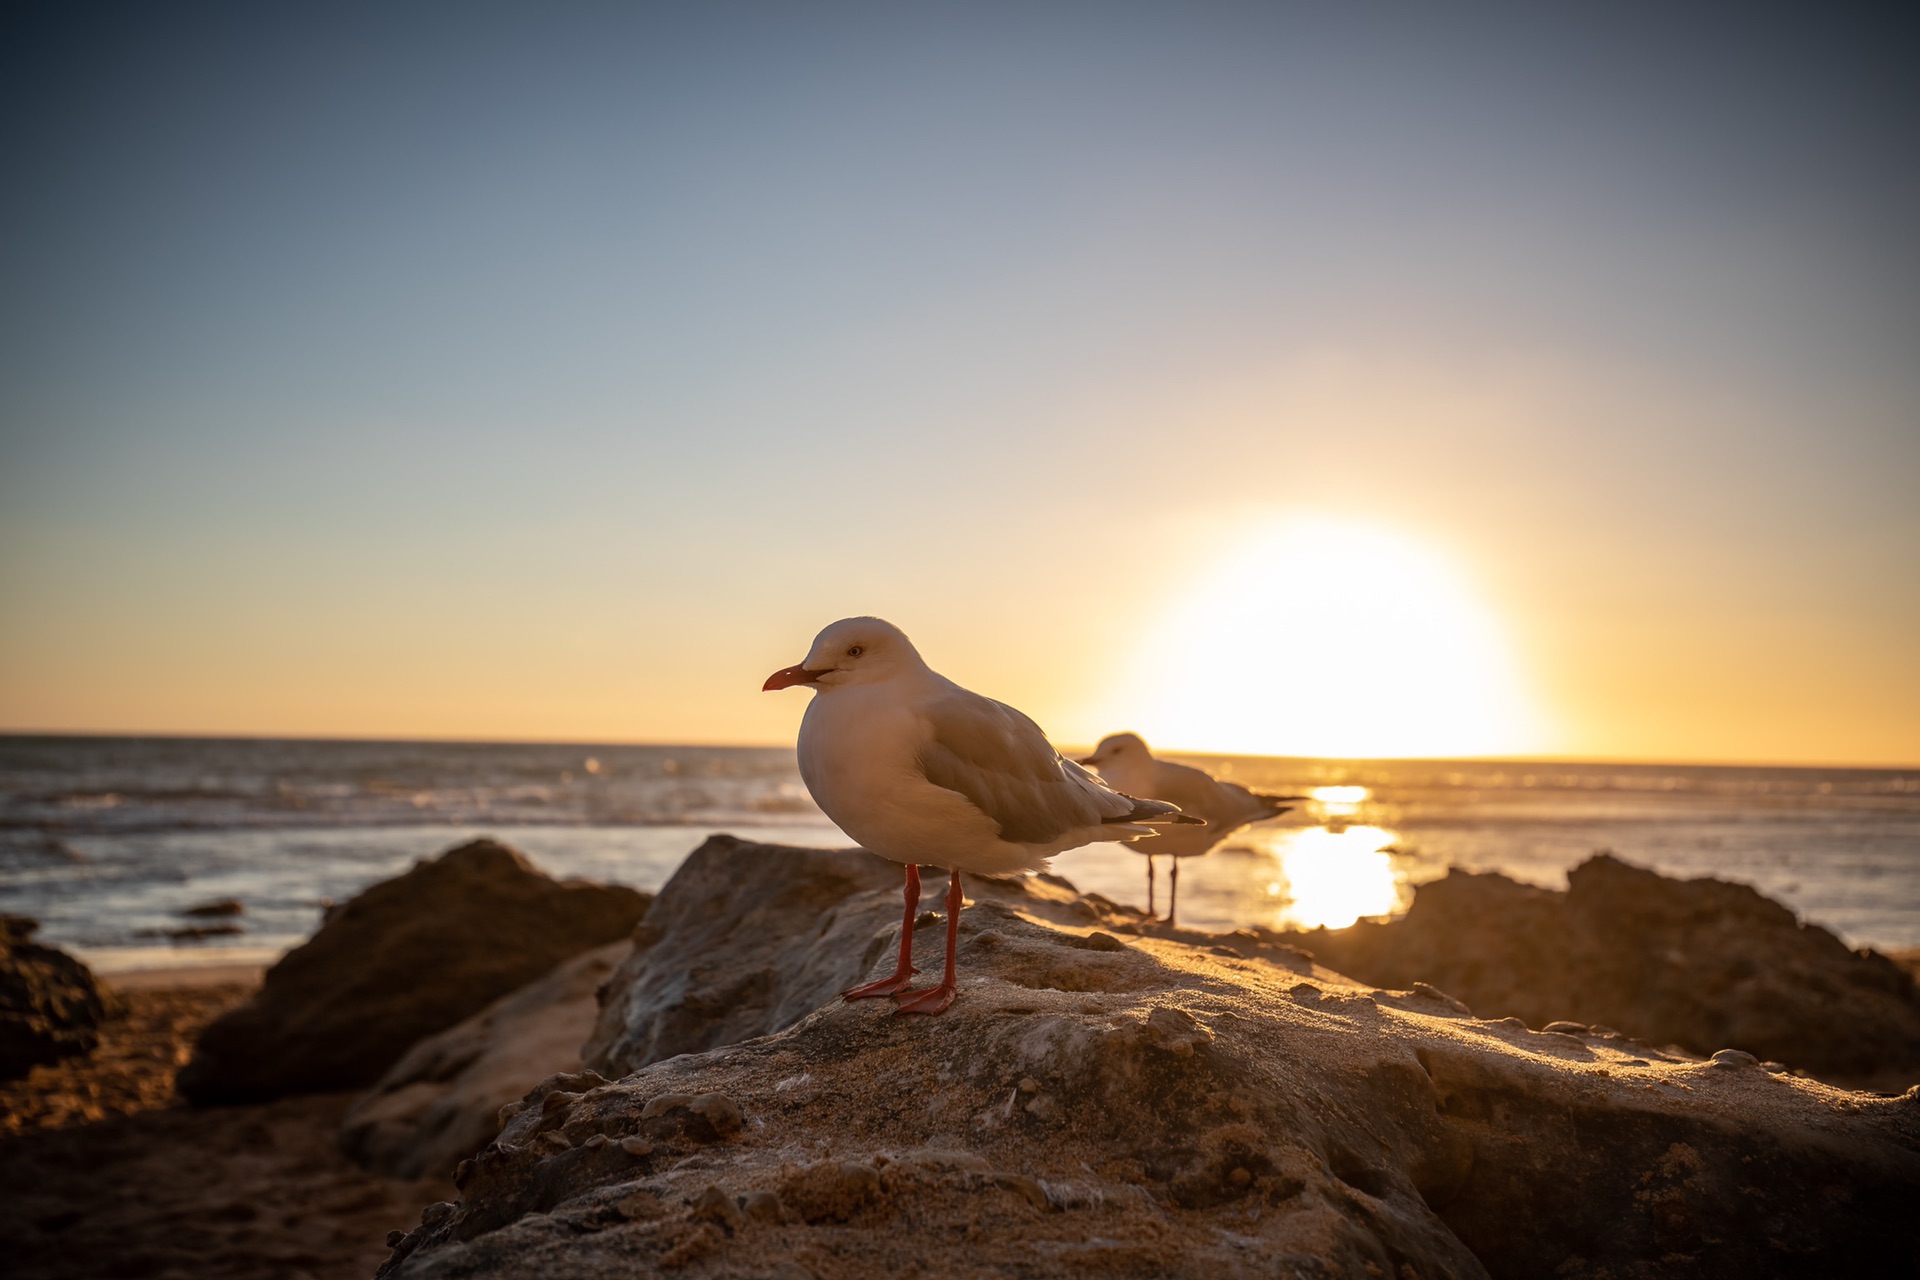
x=1323 y=637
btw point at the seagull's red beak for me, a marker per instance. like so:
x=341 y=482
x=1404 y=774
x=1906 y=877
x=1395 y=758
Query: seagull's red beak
x=1086 y=760
x=787 y=677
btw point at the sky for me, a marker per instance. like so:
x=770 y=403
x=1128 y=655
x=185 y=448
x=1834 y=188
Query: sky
x=1355 y=379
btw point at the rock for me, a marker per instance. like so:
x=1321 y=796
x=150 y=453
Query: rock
x=1201 y=1119
x=217 y=907
x=193 y=932
x=763 y=1206
x=441 y=1102
x=830 y=1190
x=1702 y=964
x=407 y=958
x=769 y=933
x=51 y=1007
x=715 y=1206
x=734 y=909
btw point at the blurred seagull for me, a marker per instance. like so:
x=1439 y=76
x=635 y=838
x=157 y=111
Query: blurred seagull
x=922 y=771
x=1124 y=761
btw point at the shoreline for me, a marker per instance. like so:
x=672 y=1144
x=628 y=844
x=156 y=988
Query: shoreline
x=183 y=977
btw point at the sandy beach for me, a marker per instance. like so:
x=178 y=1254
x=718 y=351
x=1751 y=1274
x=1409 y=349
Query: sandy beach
x=104 y=1172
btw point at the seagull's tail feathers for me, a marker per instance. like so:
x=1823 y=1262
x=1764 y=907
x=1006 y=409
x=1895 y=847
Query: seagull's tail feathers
x=1158 y=813
x=1276 y=805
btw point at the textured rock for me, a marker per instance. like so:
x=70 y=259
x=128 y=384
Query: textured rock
x=1158 y=1108
x=743 y=918
x=1702 y=964
x=407 y=958
x=441 y=1102
x=768 y=933
x=50 y=1006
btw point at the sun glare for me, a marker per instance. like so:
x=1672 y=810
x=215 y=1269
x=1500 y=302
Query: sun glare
x=1333 y=878
x=1326 y=638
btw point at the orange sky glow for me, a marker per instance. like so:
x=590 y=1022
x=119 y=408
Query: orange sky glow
x=1278 y=382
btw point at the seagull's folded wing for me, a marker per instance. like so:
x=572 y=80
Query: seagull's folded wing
x=1199 y=792
x=1001 y=761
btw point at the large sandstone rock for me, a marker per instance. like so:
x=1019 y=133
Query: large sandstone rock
x=762 y=970
x=50 y=1005
x=1702 y=964
x=441 y=1102
x=407 y=958
x=765 y=934
x=1096 y=1105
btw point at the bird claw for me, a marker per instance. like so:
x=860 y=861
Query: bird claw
x=883 y=987
x=932 y=1000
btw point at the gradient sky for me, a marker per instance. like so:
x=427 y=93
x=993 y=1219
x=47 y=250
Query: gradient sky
x=557 y=371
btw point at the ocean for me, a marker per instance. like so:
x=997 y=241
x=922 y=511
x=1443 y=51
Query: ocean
x=112 y=841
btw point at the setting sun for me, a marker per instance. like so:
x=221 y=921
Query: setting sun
x=1324 y=637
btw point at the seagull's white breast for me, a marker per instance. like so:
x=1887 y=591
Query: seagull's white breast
x=856 y=745
x=859 y=752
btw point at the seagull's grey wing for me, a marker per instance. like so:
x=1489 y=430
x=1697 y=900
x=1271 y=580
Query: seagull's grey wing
x=1001 y=761
x=1223 y=804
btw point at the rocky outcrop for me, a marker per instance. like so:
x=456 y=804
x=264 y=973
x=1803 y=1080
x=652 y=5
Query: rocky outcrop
x=1098 y=1103
x=741 y=918
x=1702 y=964
x=50 y=1005
x=773 y=948
x=407 y=958
x=441 y=1102
x=765 y=934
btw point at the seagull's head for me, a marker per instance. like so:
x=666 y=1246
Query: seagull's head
x=851 y=651
x=1116 y=748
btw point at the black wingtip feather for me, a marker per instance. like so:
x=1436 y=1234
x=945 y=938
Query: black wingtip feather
x=1158 y=811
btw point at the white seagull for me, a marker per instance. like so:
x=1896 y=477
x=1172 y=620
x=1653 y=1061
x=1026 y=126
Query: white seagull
x=1124 y=761
x=922 y=771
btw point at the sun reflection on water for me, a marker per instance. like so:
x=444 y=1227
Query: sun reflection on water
x=1339 y=804
x=1333 y=878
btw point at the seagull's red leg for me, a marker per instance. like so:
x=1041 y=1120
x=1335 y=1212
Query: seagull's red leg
x=1150 y=886
x=936 y=999
x=903 y=973
x=1173 y=890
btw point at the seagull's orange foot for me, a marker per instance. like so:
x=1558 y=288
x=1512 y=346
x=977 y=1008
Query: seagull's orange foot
x=932 y=1000
x=884 y=987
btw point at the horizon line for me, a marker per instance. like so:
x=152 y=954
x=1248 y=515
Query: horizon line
x=432 y=740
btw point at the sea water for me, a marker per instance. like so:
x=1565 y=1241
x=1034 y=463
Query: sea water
x=110 y=841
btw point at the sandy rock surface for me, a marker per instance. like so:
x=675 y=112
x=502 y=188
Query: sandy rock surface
x=103 y=1173
x=728 y=952
x=1102 y=1104
x=132 y=1068
x=409 y=957
x=50 y=1005
x=440 y=1103
x=1702 y=964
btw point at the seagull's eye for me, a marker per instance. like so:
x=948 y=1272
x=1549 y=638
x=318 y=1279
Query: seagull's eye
x=853 y=651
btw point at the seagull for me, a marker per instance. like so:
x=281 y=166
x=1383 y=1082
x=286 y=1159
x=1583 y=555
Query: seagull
x=1125 y=763
x=922 y=771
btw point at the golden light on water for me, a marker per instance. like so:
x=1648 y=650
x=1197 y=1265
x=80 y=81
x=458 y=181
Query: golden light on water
x=1330 y=638
x=1339 y=805
x=1334 y=878
x=1274 y=875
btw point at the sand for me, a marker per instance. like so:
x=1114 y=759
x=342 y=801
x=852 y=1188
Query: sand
x=103 y=1172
